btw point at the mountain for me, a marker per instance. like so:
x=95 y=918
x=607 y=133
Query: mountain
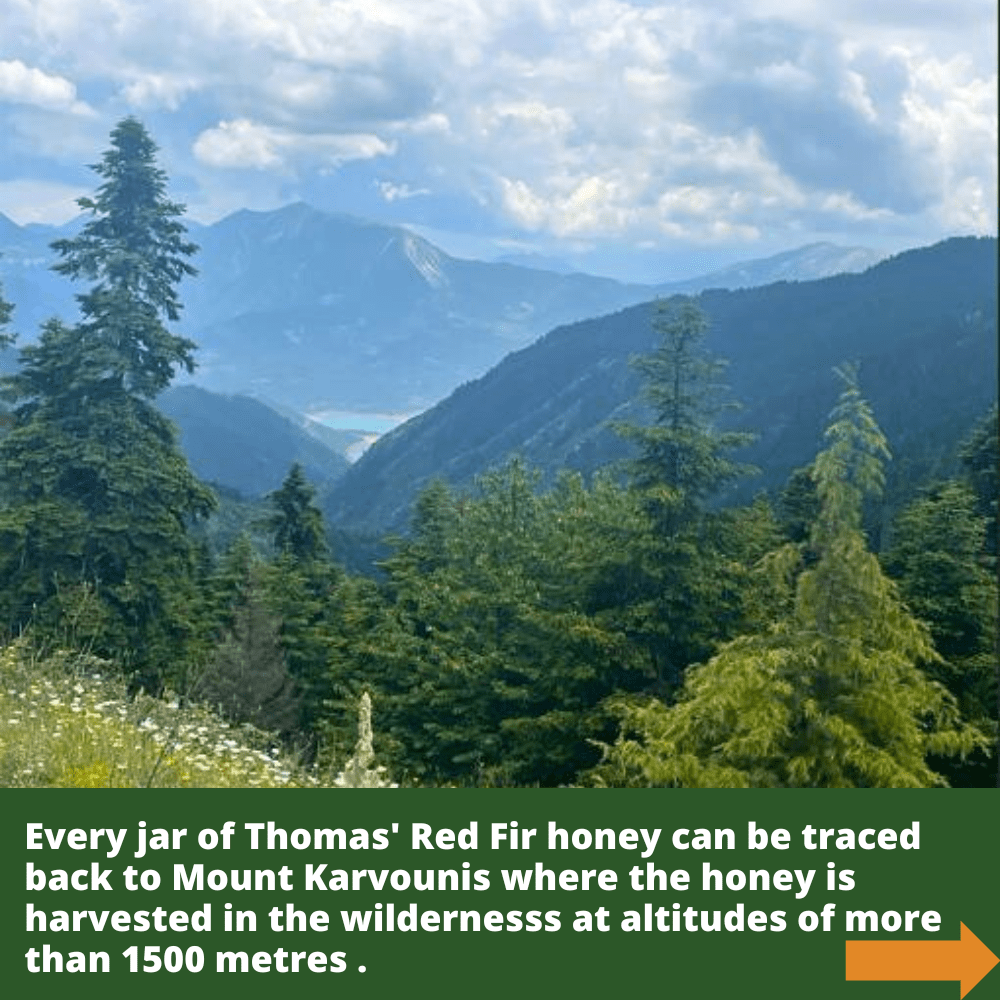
x=316 y=311
x=327 y=311
x=922 y=325
x=244 y=445
x=806 y=263
x=540 y=261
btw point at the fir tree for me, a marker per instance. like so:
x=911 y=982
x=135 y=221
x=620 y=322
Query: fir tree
x=980 y=456
x=246 y=676
x=296 y=524
x=99 y=494
x=682 y=588
x=300 y=582
x=832 y=695
x=684 y=459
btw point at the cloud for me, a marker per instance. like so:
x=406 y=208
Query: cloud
x=638 y=121
x=396 y=192
x=23 y=84
x=243 y=144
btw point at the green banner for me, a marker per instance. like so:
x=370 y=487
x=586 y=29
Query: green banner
x=499 y=893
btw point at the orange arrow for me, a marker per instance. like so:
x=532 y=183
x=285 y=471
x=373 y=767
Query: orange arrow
x=966 y=960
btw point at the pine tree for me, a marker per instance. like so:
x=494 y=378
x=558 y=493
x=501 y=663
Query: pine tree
x=99 y=494
x=134 y=248
x=832 y=695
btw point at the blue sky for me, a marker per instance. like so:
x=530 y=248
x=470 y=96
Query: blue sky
x=640 y=138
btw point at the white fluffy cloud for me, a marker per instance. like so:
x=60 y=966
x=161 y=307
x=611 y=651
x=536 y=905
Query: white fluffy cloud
x=591 y=119
x=21 y=84
x=244 y=144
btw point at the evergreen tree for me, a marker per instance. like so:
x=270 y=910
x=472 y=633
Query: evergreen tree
x=682 y=597
x=937 y=560
x=246 y=676
x=296 y=524
x=99 y=494
x=684 y=459
x=832 y=694
x=300 y=582
x=486 y=650
x=980 y=456
x=134 y=248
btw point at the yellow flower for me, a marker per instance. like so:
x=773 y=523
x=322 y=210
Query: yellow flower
x=94 y=776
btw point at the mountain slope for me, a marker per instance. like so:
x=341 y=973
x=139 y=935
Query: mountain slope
x=922 y=324
x=317 y=310
x=244 y=445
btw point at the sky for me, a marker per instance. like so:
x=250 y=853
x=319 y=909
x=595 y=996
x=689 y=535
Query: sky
x=638 y=138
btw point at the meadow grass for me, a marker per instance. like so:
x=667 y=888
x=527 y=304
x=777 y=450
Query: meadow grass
x=66 y=721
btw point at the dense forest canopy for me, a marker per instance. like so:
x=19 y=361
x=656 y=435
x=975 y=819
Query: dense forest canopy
x=638 y=625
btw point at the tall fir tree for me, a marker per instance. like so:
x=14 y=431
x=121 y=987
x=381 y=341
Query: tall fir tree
x=832 y=694
x=246 y=676
x=682 y=587
x=684 y=458
x=99 y=495
x=300 y=583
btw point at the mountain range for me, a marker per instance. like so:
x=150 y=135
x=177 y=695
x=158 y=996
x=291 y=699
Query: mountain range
x=921 y=324
x=314 y=311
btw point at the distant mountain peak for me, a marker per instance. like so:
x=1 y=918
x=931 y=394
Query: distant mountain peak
x=805 y=263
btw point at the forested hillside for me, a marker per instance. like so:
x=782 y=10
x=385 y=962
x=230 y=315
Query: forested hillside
x=243 y=445
x=921 y=326
x=649 y=624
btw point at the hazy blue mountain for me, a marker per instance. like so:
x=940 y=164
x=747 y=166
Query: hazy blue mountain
x=244 y=445
x=806 y=263
x=36 y=292
x=540 y=261
x=313 y=310
x=921 y=324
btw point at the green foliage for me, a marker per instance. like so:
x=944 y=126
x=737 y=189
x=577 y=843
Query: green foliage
x=6 y=311
x=246 y=677
x=684 y=459
x=487 y=650
x=938 y=559
x=296 y=524
x=980 y=456
x=98 y=494
x=683 y=593
x=133 y=247
x=832 y=694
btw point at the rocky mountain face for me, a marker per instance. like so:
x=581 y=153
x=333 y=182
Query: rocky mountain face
x=922 y=325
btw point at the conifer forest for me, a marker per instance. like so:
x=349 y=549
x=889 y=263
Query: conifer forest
x=670 y=617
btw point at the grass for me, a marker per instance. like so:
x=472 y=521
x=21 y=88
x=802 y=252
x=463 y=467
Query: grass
x=66 y=721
